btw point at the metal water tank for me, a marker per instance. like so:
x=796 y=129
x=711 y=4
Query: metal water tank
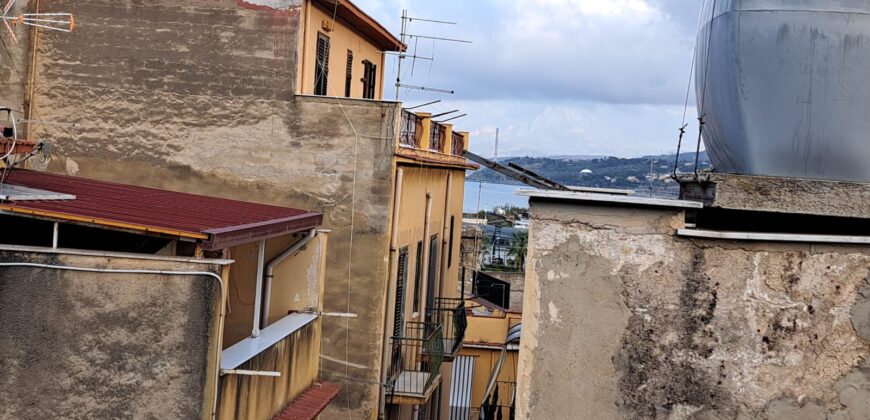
x=784 y=87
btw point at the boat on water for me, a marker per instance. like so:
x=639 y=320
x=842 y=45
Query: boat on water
x=783 y=87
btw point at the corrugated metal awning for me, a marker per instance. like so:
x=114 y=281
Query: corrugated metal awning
x=220 y=223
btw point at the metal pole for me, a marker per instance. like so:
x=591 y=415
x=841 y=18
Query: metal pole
x=55 y=235
x=258 y=297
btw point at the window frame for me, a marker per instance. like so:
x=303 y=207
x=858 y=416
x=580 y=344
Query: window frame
x=321 y=65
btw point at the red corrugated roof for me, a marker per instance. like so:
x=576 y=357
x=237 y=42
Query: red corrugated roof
x=309 y=404
x=219 y=222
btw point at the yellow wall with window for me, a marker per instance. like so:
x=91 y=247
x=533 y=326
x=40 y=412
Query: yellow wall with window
x=342 y=39
x=417 y=182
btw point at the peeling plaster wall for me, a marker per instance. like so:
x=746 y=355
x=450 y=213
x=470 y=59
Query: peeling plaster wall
x=197 y=96
x=98 y=345
x=623 y=320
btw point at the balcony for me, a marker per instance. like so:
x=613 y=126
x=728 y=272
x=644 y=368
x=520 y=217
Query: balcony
x=437 y=137
x=449 y=313
x=421 y=140
x=415 y=364
x=457 y=144
x=412 y=130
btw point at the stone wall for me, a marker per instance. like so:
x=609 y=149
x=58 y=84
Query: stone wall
x=97 y=345
x=624 y=320
x=197 y=96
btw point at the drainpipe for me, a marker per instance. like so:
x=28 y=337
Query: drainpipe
x=258 y=294
x=393 y=275
x=445 y=253
x=270 y=270
x=424 y=295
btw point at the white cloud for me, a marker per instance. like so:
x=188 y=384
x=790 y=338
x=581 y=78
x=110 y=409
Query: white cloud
x=557 y=76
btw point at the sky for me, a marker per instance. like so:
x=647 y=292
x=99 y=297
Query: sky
x=556 y=77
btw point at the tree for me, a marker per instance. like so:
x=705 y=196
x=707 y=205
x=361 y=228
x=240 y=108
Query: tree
x=519 y=248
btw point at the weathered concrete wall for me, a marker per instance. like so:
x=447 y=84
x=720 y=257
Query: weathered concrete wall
x=196 y=96
x=623 y=320
x=781 y=195
x=97 y=345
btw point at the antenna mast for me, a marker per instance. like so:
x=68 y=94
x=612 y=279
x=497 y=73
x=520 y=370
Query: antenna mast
x=406 y=37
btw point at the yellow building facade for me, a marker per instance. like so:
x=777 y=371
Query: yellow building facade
x=425 y=323
x=341 y=51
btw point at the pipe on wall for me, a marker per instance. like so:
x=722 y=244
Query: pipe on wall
x=258 y=291
x=270 y=271
x=393 y=275
x=427 y=231
x=445 y=252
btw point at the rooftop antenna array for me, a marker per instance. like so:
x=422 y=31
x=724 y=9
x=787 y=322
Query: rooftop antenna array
x=63 y=22
x=406 y=39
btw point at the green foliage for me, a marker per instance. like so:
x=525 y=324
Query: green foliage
x=519 y=249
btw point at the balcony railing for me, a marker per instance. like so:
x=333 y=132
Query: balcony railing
x=458 y=145
x=502 y=399
x=415 y=364
x=411 y=127
x=449 y=313
x=437 y=134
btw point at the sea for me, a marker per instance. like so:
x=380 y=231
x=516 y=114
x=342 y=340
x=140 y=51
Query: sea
x=486 y=196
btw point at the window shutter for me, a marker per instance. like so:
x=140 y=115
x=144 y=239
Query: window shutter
x=348 y=77
x=401 y=280
x=433 y=271
x=321 y=71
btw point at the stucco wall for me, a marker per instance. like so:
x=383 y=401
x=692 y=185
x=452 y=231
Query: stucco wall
x=623 y=320
x=95 y=345
x=197 y=96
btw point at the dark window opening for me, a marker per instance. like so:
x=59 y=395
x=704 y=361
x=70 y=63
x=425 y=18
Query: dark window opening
x=370 y=77
x=35 y=232
x=321 y=71
x=401 y=280
x=492 y=290
x=433 y=272
x=348 y=78
x=450 y=242
x=418 y=276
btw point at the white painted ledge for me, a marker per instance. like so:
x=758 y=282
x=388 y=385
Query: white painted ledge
x=774 y=237
x=250 y=347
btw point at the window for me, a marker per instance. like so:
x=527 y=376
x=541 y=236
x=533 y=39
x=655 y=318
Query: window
x=348 y=77
x=450 y=244
x=321 y=71
x=370 y=77
x=418 y=276
x=401 y=281
x=433 y=272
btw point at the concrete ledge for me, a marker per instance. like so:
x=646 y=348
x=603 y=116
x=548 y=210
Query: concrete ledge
x=610 y=198
x=779 y=195
x=774 y=237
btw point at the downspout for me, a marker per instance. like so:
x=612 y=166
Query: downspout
x=424 y=295
x=445 y=253
x=270 y=271
x=393 y=275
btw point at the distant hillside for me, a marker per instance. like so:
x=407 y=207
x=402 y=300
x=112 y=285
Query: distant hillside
x=606 y=172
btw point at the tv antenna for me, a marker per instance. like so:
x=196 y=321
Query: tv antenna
x=63 y=22
x=401 y=56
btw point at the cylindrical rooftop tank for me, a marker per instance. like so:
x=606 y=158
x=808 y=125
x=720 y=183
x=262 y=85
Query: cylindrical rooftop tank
x=784 y=87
